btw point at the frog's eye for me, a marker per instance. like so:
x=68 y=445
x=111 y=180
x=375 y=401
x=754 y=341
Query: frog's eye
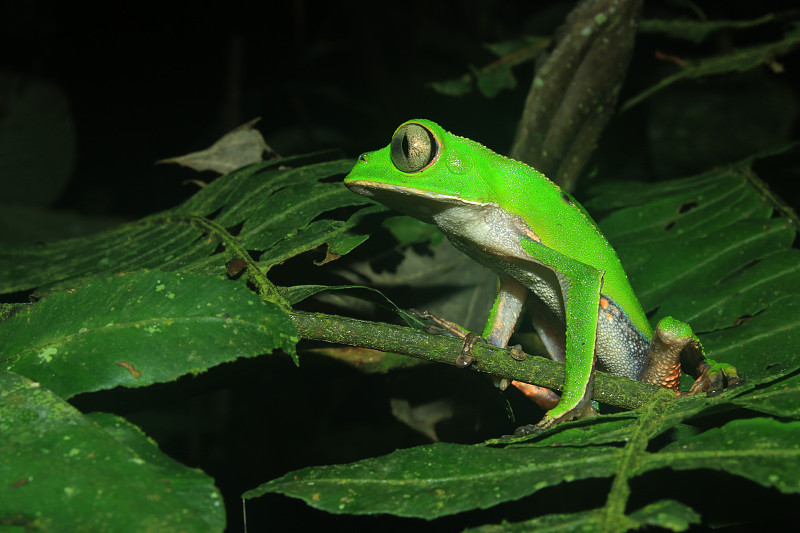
x=414 y=147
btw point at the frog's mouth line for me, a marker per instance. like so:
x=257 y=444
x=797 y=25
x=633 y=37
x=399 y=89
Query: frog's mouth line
x=380 y=190
x=419 y=203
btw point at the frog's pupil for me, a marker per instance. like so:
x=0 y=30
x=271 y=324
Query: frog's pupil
x=406 y=149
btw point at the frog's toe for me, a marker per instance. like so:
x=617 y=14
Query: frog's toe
x=714 y=378
x=732 y=378
x=527 y=430
x=439 y=326
x=543 y=397
x=465 y=358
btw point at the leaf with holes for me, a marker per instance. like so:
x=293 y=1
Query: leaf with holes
x=707 y=251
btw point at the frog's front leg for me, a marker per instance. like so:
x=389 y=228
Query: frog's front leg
x=502 y=321
x=505 y=311
x=504 y=316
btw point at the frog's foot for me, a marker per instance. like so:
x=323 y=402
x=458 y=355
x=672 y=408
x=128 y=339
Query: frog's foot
x=588 y=411
x=465 y=358
x=439 y=326
x=714 y=377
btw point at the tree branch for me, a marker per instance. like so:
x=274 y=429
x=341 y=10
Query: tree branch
x=608 y=388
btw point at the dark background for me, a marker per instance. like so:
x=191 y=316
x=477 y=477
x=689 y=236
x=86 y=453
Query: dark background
x=149 y=81
x=146 y=82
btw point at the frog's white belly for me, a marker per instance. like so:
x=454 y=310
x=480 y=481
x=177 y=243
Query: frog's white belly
x=491 y=236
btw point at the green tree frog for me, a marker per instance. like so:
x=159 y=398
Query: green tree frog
x=546 y=250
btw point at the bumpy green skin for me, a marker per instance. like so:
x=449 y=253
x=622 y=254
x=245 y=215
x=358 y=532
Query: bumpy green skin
x=539 y=239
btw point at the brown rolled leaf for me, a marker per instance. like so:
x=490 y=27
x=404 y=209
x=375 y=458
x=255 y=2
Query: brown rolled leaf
x=574 y=91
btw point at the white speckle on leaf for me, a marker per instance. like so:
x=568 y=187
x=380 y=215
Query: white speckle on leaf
x=47 y=354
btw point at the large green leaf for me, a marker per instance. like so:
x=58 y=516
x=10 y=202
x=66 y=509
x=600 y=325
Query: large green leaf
x=64 y=471
x=439 y=479
x=707 y=251
x=269 y=208
x=137 y=329
x=763 y=450
x=778 y=399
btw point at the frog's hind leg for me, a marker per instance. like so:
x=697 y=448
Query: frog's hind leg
x=549 y=328
x=551 y=332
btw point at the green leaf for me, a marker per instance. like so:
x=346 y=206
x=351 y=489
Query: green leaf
x=739 y=60
x=454 y=87
x=63 y=471
x=697 y=30
x=409 y=230
x=760 y=449
x=277 y=207
x=583 y=521
x=667 y=514
x=714 y=231
x=137 y=329
x=778 y=399
x=493 y=82
x=491 y=79
x=439 y=479
x=613 y=428
x=525 y=48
